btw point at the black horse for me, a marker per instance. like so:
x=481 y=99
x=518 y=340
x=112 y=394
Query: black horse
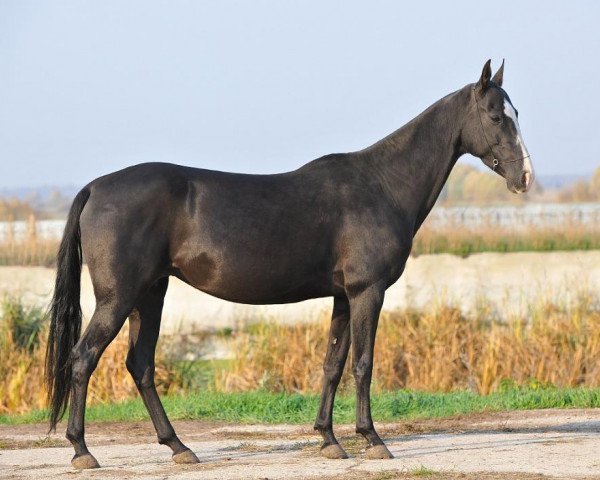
x=340 y=226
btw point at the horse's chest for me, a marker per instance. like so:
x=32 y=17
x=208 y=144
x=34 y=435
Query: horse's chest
x=373 y=258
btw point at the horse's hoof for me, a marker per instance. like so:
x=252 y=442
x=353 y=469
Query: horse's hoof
x=378 y=452
x=334 y=451
x=82 y=462
x=187 y=456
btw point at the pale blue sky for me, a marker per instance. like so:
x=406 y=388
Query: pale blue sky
x=255 y=86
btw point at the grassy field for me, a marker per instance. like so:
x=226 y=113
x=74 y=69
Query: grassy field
x=23 y=335
x=463 y=241
x=32 y=252
x=265 y=407
x=439 y=350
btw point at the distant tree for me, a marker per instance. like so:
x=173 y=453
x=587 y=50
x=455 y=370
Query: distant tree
x=57 y=205
x=483 y=187
x=582 y=191
x=456 y=181
x=14 y=209
x=467 y=184
x=596 y=184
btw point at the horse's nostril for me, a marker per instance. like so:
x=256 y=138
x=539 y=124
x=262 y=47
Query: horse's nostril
x=526 y=179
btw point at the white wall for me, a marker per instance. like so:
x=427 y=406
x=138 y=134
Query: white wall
x=508 y=282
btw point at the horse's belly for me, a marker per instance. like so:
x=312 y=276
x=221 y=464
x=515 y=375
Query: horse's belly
x=258 y=283
x=255 y=297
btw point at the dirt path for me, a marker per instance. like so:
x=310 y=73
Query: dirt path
x=518 y=445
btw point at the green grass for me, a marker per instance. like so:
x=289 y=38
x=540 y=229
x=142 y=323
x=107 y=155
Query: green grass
x=422 y=471
x=468 y=242
x=262 y=407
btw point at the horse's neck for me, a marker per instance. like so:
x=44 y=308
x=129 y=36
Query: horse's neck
x=414 y=162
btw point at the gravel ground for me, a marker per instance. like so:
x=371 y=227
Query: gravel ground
x=516 y=445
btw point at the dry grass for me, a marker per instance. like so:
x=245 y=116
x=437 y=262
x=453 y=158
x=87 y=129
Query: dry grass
x=439 y=350
x=458 y=240
x=30 y=250
x=23 y=334
x=29 y=253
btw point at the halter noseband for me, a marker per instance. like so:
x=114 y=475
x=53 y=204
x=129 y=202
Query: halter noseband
x=495 y=162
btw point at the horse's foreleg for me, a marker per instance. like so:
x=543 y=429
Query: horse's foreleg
x=104 y=325
x=144 y=327
x=364 y=315
x=333 y=367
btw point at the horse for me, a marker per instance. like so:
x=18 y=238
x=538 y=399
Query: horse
x=340 y=226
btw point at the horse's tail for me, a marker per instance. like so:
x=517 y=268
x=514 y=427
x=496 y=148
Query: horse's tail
x=65 y=313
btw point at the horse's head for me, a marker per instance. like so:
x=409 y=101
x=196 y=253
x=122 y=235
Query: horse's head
x=492 y=132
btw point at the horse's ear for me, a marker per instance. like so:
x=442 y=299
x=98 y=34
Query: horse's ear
x=499 y=75
x=486 y=74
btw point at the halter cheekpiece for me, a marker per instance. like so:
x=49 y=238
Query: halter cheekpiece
x=495 y=162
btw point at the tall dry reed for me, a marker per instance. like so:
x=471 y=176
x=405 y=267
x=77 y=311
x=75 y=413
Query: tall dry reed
x=23 y=335
x=29 y=250
x=439 y=350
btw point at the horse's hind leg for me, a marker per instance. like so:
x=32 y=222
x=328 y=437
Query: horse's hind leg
x=333 y=367
x=144 y=326
x=104 y=325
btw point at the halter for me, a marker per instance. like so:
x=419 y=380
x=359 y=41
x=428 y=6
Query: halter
x=495 y=162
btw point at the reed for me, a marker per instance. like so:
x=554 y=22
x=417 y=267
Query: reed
x=31 y=250
x=23 y=334
x=438 y=350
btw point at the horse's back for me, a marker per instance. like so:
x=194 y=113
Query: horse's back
x=248 y=238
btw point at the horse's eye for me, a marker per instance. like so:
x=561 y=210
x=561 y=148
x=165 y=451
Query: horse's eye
x=496 y=119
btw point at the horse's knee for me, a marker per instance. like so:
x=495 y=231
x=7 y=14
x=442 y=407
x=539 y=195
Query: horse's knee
x=362 y=369
x=142 y=373
x=333 y=370
x=82 y=366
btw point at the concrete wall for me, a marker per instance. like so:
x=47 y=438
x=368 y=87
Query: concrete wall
x=508 y=283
